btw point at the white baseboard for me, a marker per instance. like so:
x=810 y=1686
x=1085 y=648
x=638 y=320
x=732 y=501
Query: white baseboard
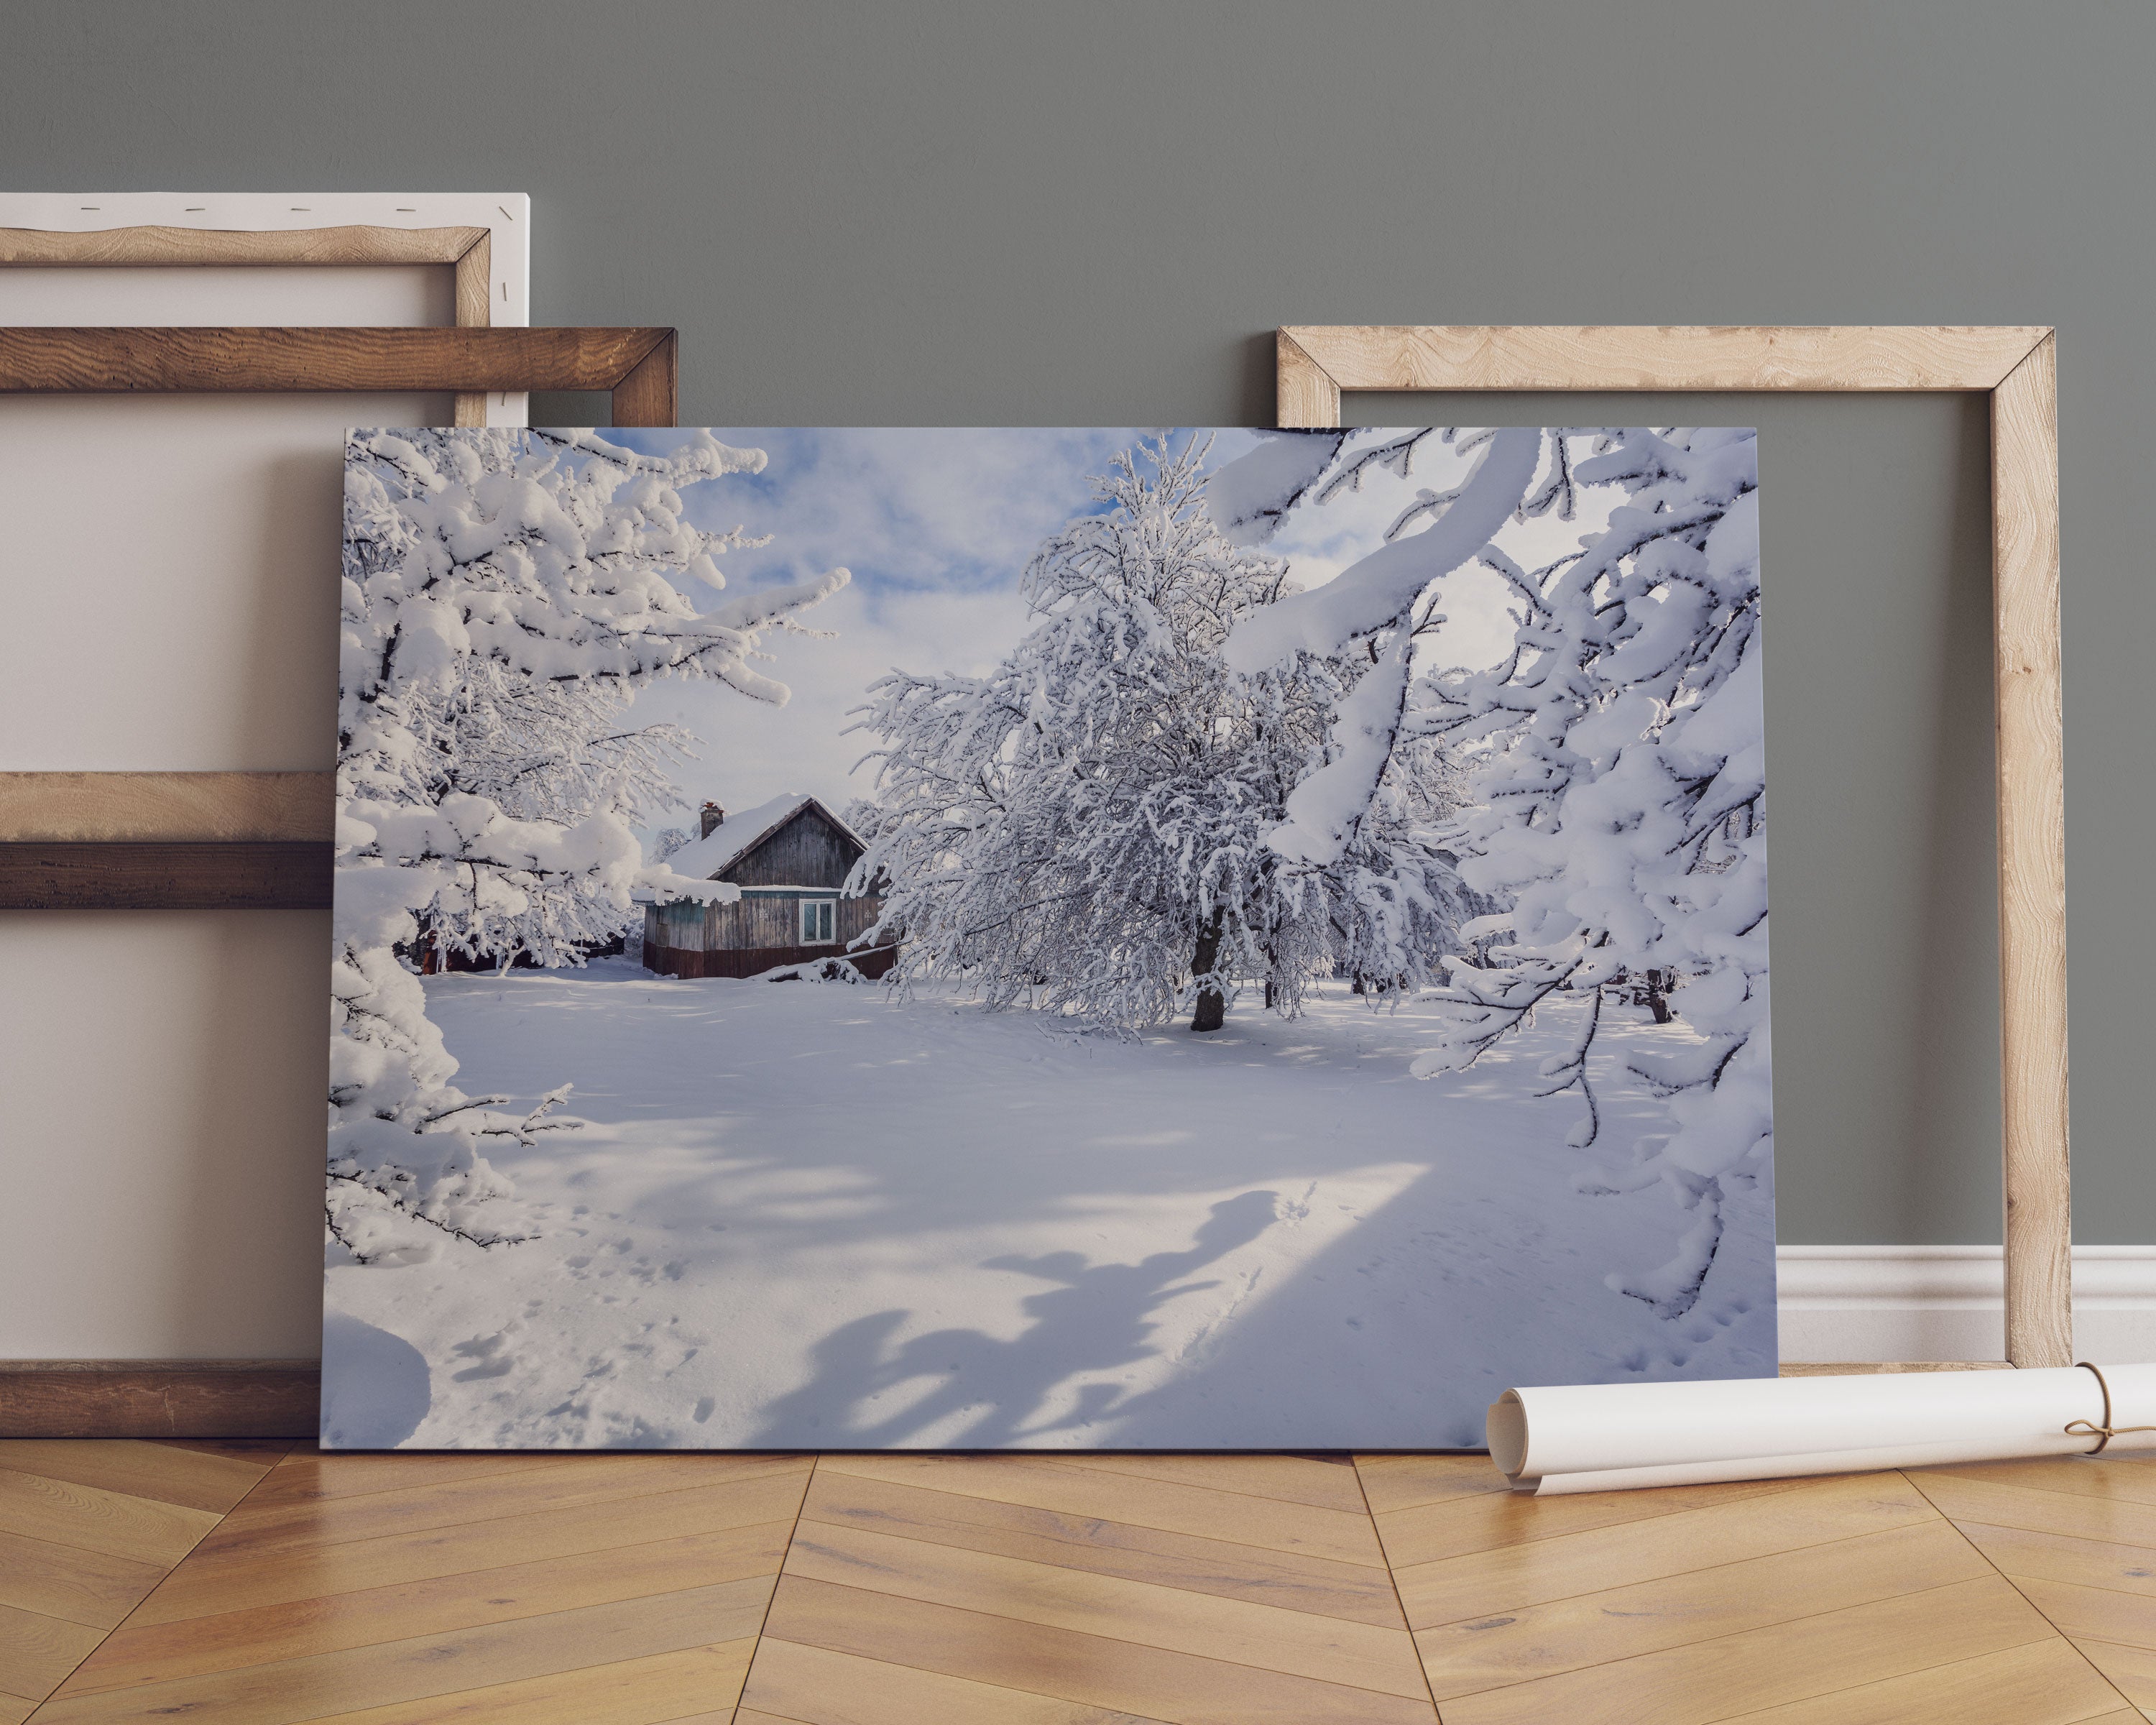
x=1888 y=1303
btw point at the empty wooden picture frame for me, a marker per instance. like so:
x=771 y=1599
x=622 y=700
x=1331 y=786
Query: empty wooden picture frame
x=257 y=840
x=482 y=237
x=2016 y=367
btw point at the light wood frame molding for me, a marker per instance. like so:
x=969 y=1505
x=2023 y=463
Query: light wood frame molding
x=2016 y=367
x=258 y=840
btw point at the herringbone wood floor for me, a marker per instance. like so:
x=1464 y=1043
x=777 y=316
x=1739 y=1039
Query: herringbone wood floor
x=259 y=1583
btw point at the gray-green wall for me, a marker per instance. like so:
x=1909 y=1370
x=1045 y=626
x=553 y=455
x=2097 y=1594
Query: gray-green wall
x=1080 y=212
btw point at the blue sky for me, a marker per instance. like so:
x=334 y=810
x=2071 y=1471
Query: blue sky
x=936 y=526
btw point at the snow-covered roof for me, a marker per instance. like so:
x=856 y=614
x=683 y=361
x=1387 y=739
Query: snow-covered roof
x=707 y=858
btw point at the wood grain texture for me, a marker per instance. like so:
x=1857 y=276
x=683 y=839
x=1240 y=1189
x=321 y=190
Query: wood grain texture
x=210 y=1589
x=423 y=1667
x=2032 y=877
x=2131 y=1670
x=159 y=246
x=2043 y=1682
x=120 y=362
x=1304 y=394
x=600 y=1589
x=475 y=310
x=57 y=1580
x=1189 y=1506
x=87 y=1530
x=1103 y=1671
x=250 y=875
x=37 y=1651
x=1320 y=1586
x=334 y=1622
x=1634 y=356
x=1085 y=1588
x=1487 y=1652
x=1175 y=1619
x=214 y=1483
x=82 y=808
x=158 y=1399
x=635 y=1692
x=1529 y=1561
x=1800 y=1660
x=815 y=1685
x=650 y=394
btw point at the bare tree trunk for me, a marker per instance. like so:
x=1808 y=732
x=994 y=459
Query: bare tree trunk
x=1212 y=1010
x=1658 y=998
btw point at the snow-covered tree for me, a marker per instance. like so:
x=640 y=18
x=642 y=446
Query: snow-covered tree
x=506 y=592
x=1084 y=826
x=1616 y=820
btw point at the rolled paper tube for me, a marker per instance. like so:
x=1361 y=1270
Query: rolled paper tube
x=1603 y=1437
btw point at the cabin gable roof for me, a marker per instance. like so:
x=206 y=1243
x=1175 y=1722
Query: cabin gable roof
x=733 y=845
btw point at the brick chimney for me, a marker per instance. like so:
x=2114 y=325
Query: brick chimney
x=714 y=816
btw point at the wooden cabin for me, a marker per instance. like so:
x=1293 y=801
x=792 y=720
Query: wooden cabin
x=790 y=857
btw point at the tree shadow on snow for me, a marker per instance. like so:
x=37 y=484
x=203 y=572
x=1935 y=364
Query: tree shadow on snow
x=990 y=1392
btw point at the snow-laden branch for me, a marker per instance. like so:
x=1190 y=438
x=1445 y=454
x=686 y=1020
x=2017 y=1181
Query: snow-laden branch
x=1614 y=825
x=506 y=593
x=1084 y=828
x=1378 y=592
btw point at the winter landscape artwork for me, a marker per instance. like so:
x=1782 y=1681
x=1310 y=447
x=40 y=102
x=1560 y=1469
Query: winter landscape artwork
x=1043 y=939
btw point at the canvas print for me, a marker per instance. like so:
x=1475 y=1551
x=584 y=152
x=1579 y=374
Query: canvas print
x=1037 y=939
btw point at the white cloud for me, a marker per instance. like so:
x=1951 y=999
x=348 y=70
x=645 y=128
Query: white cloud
x=936 y=526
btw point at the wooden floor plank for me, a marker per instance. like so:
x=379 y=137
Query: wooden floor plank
x=1287 y=1479
x=1319 y=1585
x=1592 y=1629
x=2097 y=1613
x=202 y=1591
x=1234 y=1631
x=432 y=1665
x=2132 y=1671
x=267 y=1451
x=2041 y=1683
x=1340 y=1535
x=635 y=1692
x=310 y=1476
x=85 y=1587
x=37 y=1651
x=1397 y=1482
x=813 y=1686
x=2078 y=1515
x=1473 y=1522
x=1110 y=1673
x=116 y=1524
x=156 y=1471
x=1540 y=1570
x=1749 y=1673
x=252 y=1533
x=2019 y=1553
x=1065 y=1590
x=2129 y=1478
x=154 y=1653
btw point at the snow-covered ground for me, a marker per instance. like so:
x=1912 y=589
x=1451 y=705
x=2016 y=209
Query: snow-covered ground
x=811 y=1216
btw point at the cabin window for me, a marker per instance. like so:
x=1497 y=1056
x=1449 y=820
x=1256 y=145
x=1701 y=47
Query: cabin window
x=818 y=921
